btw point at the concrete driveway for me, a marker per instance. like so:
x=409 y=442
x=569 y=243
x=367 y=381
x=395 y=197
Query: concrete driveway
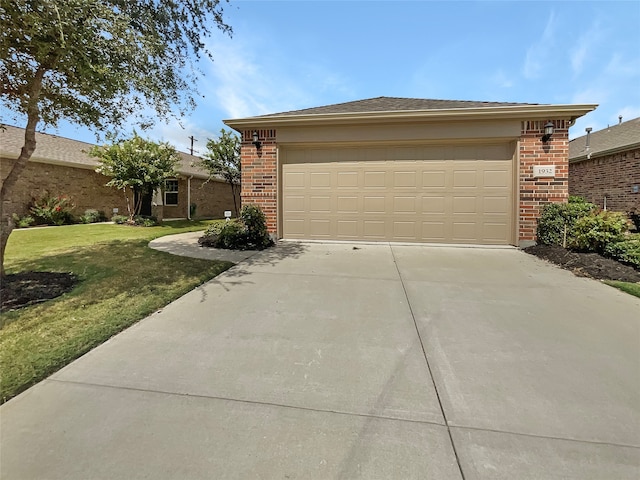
x=323 y=361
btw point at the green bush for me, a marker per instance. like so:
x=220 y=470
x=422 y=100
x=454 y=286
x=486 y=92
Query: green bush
x=232 y=236
x=557 y=220
x=120 y=219
x=626 y=251
x=93 y=216
x=23 y=222
x=52 y=210
x=594 y=232
x=256 y=227
x=249 y=232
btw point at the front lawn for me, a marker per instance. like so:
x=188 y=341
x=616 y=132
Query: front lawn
x=122 y=281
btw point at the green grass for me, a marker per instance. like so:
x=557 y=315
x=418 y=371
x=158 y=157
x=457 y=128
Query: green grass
x=630 y=288
x=122 y=281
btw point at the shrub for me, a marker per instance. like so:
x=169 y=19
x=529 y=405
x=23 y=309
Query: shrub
x=595 y=231
x=52 y=210
x=626 y=251
x=249 y=232
x=145 y=221
x=635 y=218
x=557 y=220
x=232 y=236
x=120 y=219
x=23 y=222
x=93 y=216
x=256 y=227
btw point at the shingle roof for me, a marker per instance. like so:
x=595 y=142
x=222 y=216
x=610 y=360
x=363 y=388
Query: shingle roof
x=395 y=104
x=618 y=137
x=68 y=152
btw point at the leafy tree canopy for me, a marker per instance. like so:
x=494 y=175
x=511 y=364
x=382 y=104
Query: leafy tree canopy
x=222 y=159
x=101 y=62
x=136 y=165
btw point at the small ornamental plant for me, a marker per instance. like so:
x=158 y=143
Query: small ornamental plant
x=52 y=210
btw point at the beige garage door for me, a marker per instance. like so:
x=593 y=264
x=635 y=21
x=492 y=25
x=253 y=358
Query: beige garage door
x=441 y=194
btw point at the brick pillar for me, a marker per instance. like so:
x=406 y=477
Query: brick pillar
x=535 y=192
x=260 y=174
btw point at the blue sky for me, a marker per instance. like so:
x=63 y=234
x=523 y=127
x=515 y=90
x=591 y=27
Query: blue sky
x=288 y=55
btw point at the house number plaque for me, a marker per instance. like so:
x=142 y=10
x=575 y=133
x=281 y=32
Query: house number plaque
x=544 y=170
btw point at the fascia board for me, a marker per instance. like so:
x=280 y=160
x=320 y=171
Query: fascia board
x=522 y=112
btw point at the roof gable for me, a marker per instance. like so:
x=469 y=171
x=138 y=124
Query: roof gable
x=622 y=136
x=394 y=104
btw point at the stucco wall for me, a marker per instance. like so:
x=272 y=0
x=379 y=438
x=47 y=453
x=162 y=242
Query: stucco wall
x=613 y=176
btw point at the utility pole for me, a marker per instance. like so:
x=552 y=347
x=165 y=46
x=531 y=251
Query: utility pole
x=192 y=140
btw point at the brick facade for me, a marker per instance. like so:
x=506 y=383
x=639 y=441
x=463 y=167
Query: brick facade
x=535 y=192
x=613 y=176
x=87 y=190
x=260 y=174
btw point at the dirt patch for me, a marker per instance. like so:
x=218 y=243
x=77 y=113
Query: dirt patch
x=27 y=288
x=589 y=265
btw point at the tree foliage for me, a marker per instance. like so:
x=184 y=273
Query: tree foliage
x=99 y=63
x=222 y=159
x=102 y=62
x=136 y=166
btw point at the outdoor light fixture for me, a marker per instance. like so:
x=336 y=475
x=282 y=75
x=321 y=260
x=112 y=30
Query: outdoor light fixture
x=256 y=142
x=548 y=131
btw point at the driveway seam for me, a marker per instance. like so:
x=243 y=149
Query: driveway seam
x=549 y=437
x=239 y=400
x=426 y=359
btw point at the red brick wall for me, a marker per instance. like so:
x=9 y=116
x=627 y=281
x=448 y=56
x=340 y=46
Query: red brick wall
x=611 y=175
x=260 y=174
x=85 y=187
x=535 y=192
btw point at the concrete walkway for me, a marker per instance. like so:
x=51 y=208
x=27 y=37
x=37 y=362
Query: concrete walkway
x=322 y=361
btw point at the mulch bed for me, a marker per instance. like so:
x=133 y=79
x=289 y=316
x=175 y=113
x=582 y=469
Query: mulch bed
x=27 y=288
x=590 y=265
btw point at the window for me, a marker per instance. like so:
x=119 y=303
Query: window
x=171 y=192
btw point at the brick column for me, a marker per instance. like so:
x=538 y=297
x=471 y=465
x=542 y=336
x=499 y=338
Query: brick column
x=535 y=192
x=260 y=174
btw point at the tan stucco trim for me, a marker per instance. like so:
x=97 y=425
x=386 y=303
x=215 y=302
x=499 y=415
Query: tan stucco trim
x=530 y=112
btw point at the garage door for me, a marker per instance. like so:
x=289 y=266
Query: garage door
x=442 y=194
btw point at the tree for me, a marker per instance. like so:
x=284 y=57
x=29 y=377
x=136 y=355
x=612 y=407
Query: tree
x=137 y=167
x=223 y=159
x=99 y=63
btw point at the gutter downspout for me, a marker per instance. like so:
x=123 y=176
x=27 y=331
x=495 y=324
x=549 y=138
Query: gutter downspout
x=189 y=197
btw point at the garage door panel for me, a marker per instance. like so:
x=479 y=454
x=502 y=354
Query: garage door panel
x=320 y=204
x=415 y=193
x=375 y=180
x=406 y=230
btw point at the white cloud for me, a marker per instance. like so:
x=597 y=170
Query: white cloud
x=584 y=48
x=538 y=53
x=502 y=80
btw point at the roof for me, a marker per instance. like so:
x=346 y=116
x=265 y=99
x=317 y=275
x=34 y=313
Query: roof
x=620 y=137
x=395 y=104
x=72 y=153
x=393 y=109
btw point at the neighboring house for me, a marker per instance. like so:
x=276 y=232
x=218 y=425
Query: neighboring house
x=604 y=167
x=407 y=170
x=61 y=166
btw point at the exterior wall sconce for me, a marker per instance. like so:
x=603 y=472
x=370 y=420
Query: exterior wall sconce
x=548 y=132
x=256 y=142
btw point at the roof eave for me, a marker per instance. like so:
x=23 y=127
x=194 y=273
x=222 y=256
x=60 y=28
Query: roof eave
x=603 y=153
x=529 y=112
